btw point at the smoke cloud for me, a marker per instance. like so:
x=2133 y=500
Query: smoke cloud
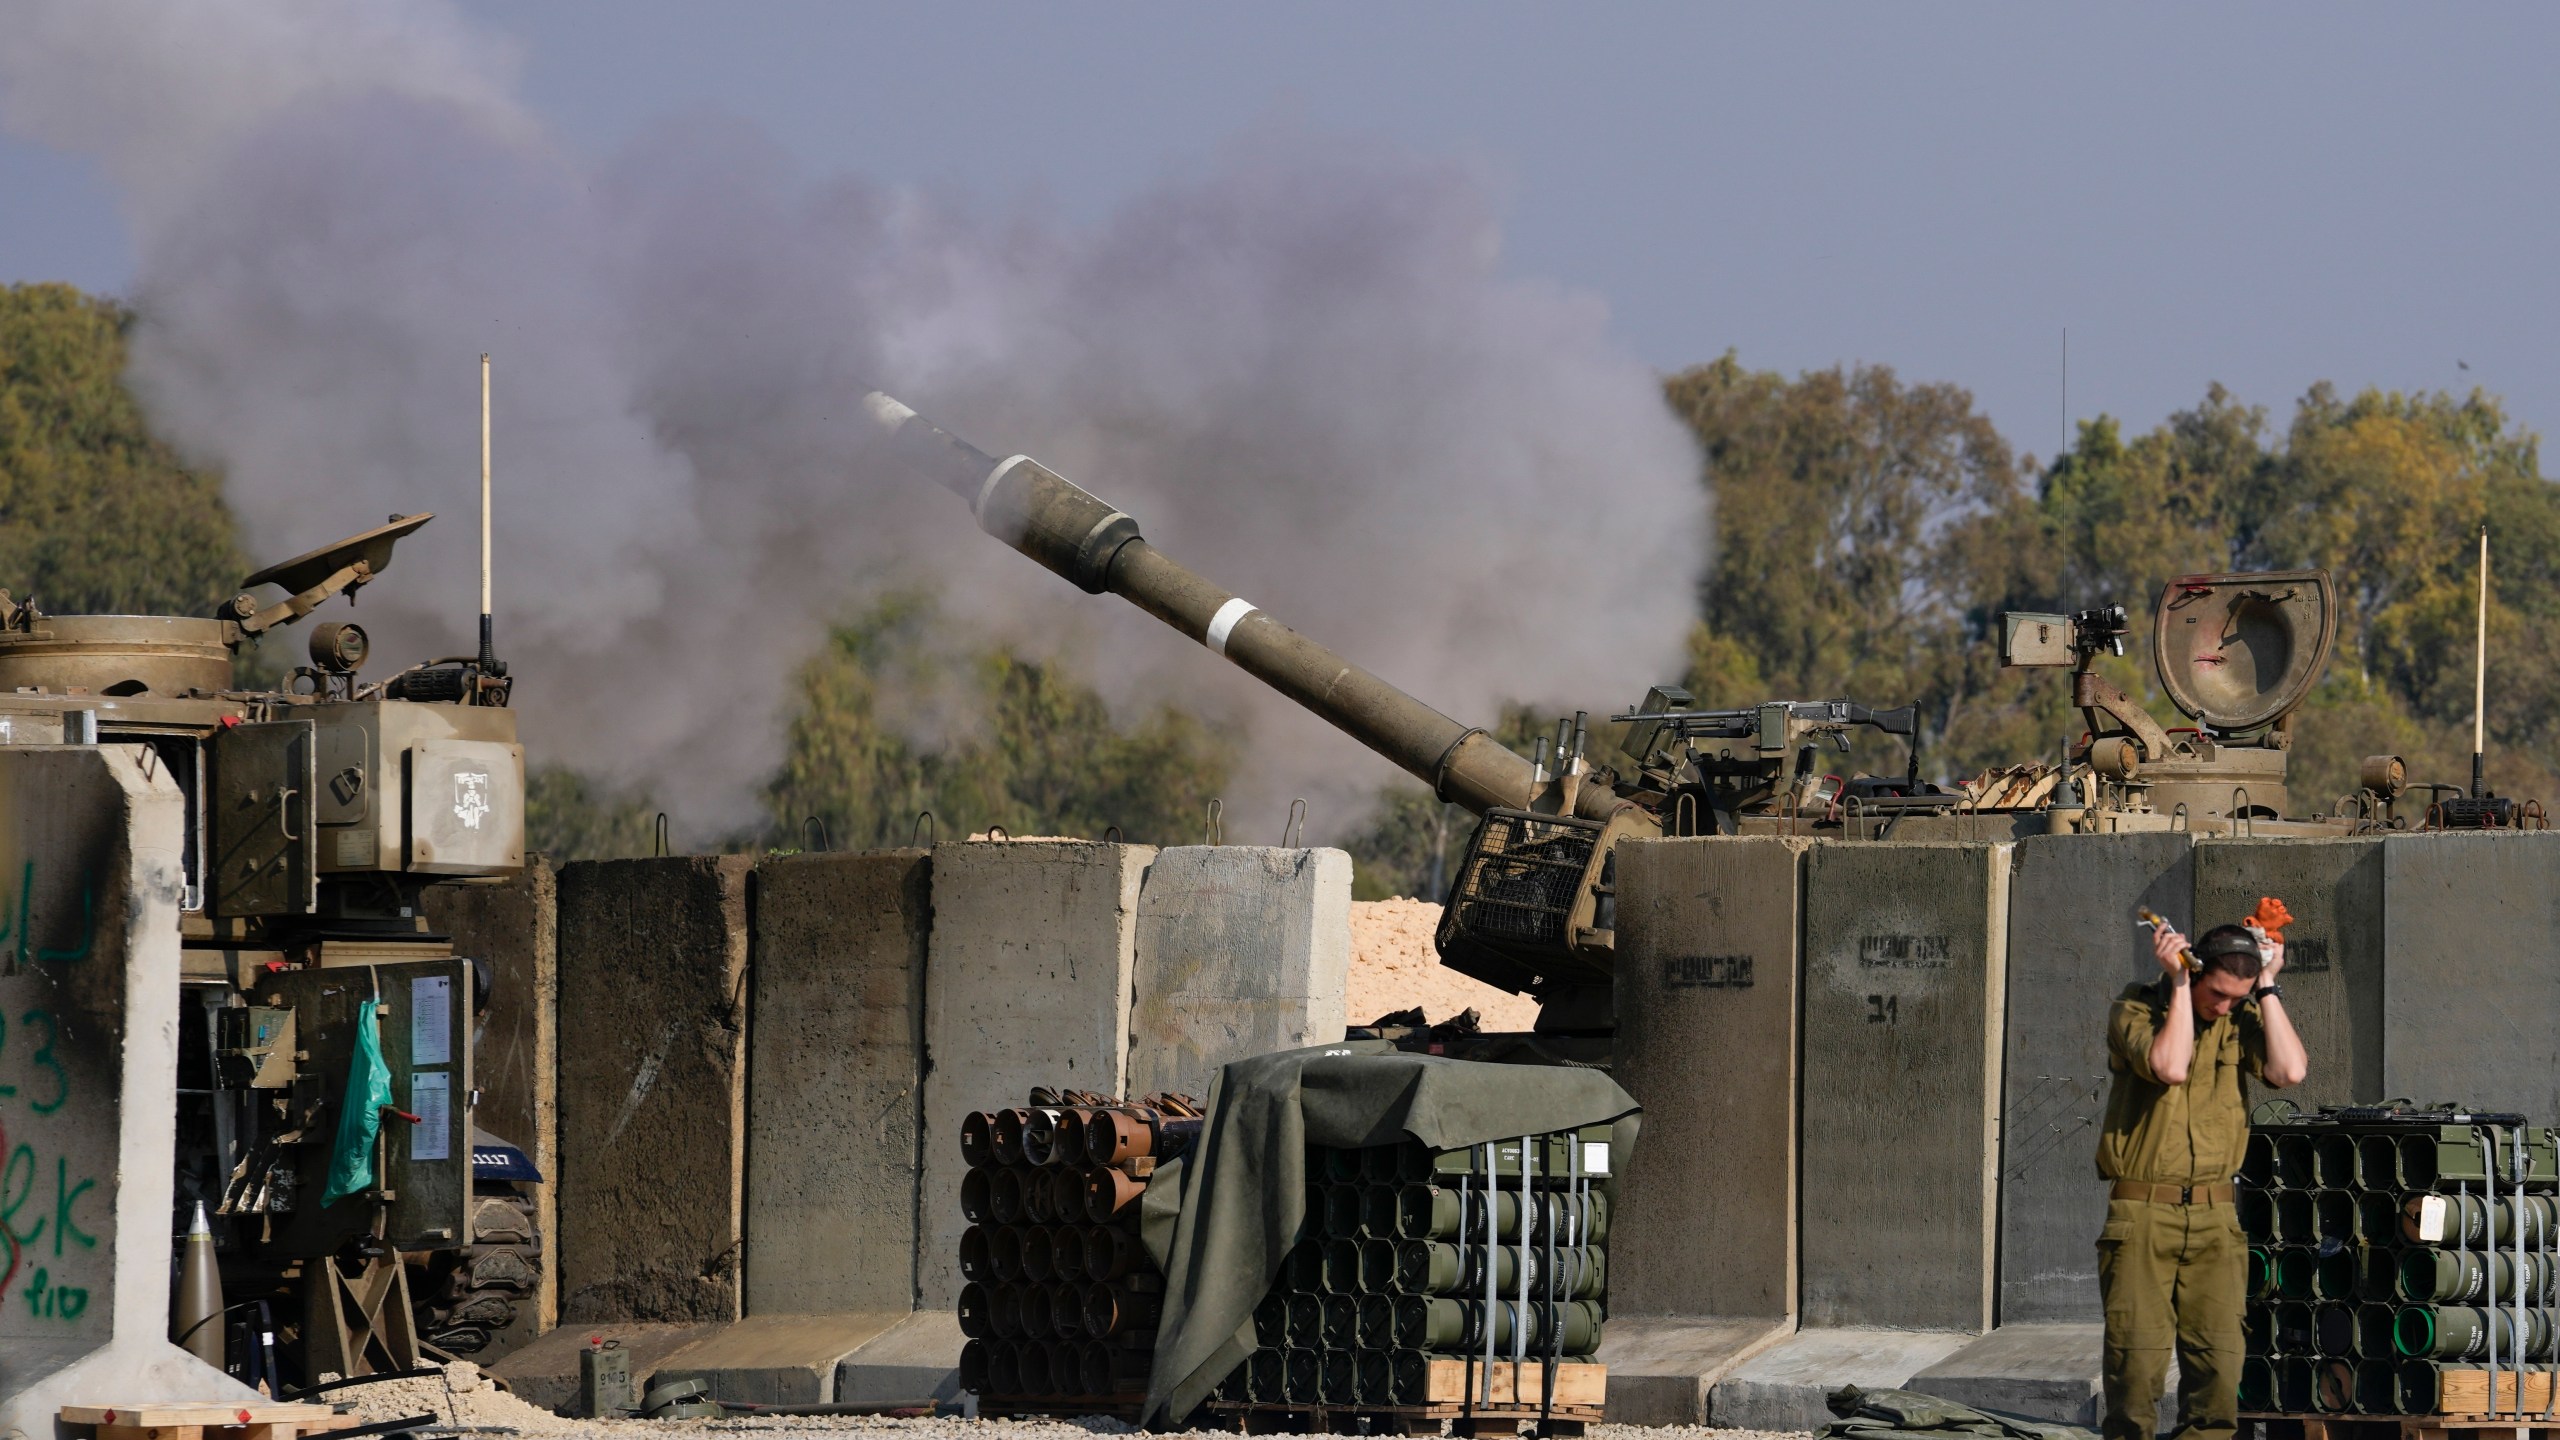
x=1300 y=363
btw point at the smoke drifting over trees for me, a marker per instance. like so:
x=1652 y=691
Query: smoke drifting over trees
x=1302 y=367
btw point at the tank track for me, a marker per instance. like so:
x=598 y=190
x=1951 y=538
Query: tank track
x=467 y=1296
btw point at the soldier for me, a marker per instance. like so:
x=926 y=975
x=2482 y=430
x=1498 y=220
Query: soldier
x=2171 y=1262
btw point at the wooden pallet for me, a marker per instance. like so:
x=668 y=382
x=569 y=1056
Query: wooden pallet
x=1581 y=1398
x=1254 y=1418
x=202 y=1422
x=2396 y=1427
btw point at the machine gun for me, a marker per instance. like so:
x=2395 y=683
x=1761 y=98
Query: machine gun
x=1663 y=742
x=1531 y=907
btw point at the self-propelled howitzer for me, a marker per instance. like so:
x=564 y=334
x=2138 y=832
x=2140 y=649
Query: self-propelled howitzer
x=1531 y=908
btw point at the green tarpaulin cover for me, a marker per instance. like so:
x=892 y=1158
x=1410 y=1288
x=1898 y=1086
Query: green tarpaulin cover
x=1221 y=1219
x=359 y=1114
x=1909 y=1415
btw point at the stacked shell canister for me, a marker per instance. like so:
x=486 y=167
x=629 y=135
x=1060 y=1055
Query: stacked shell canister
x=1059 y=1296
x=1409 y=1255
x=2400 y=1263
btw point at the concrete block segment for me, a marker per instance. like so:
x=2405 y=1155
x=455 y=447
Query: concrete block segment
x=512 y=925
x=1029 y=983
x=2046 y=1372
x=90 y=878
x=1782 y=1387
x=918 y=1359
x=1905 y=956
x=835 y=1092
x=1706 y=1005
x=774 y=1359
x=2073 y=945
x=2474 y=984
x=2333 y=963
x=545 y=1372
x=1663 y=1367
x=653 y=1088
x=1241 y=950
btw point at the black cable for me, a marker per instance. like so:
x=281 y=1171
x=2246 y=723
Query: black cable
x=191 y=1330
x=379 y=1427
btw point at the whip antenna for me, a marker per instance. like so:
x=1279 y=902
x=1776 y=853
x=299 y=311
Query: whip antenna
x=488 y=649
x=2480 y=672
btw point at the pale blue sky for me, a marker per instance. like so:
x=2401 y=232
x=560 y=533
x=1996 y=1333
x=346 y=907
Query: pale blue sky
x=2264 y=195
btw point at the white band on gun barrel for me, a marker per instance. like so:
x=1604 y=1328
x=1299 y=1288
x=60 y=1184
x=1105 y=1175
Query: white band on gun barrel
x=1224 y=623
x=1003 y=468
x=887 y=409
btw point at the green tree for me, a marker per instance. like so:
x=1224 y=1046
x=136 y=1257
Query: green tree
x=572 y=816
x=1866 y=531
x=896 y=716
x=96 y=516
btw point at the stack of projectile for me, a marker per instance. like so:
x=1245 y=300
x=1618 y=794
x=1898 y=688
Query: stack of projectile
x=1061 y=1298
x=1405 y=1257
x=2401 y=1262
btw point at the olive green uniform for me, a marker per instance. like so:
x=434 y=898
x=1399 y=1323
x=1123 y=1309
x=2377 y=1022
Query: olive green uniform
x=2172 y=1265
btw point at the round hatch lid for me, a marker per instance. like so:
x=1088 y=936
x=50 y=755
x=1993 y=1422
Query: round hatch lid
x=2236 y=652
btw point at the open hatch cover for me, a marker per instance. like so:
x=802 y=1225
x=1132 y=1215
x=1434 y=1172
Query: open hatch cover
x=2237 y=652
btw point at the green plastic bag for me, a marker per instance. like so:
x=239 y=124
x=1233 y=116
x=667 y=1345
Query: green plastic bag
x=359 y=1114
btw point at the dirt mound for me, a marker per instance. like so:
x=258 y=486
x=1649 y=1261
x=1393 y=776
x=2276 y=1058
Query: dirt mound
x=1394 y=968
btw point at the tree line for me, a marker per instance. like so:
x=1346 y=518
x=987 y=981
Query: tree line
x=1868 y=533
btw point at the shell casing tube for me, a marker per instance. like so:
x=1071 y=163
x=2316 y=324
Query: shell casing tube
x=2333 y=1329
x=1004 y=1311
x=1434 y=1323
x=1066 y=1309
x=2374 y=1320
x=2377 y=1387
x=2466 y=1332
x=2456 y=1277
x=1306 y=1376
x=2257 y=1384
x=1377 y=1322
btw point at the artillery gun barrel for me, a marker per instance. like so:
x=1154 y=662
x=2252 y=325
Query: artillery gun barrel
x=1086 y=541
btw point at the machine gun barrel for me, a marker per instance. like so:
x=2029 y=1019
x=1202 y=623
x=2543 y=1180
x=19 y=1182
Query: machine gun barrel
x=1040 y=513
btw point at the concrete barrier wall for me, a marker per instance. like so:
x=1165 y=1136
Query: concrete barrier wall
x=1706 y=1005
x=1905 y=954
x=90 y=880
x=835 y=1087
x=1240 y=950
x=2473 y=991
x=512 y=925
x=1029 y=982
x=653 y=1088
x=2073 y=945
x=2333 y=967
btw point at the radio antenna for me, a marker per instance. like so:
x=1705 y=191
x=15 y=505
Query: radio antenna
x=488 y=648
x=2480 y=672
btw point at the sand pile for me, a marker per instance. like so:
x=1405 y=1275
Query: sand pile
x=1393 y=967
x=460 y=1397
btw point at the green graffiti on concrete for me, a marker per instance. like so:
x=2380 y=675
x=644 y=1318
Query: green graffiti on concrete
x=48 y=1301
x=17 y=930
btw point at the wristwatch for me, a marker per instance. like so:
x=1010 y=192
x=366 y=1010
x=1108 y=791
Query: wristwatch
x=2263 y=991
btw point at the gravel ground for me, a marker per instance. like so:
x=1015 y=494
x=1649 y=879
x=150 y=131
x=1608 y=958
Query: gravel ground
x=473 y=1404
